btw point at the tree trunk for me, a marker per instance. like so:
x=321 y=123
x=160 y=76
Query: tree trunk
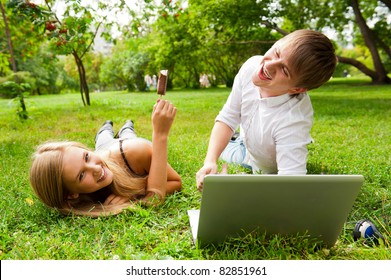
x=84 y=90
x=387 y=3
x=360 y=66
x=370 y=40
x=22 y=114
x=9 y=42
x=377 y=78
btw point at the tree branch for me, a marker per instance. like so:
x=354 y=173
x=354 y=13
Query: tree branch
x=360 y=66
x=92 y=41
x=369 y=39
x=249 y=42
x=275 y=27
x=387 y=3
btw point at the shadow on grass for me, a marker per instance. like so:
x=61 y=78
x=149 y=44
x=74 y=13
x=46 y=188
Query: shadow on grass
x=259 y=246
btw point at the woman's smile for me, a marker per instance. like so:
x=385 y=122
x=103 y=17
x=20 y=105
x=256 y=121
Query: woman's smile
x=103 y=175
x=84 y=171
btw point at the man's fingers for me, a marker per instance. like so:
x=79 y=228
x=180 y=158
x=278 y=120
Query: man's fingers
x=224 y=169
x=200 y=180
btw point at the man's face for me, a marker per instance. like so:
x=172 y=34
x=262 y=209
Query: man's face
x=274 y=75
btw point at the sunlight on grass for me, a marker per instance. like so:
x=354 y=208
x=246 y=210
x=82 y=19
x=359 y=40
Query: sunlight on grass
x=352 y=133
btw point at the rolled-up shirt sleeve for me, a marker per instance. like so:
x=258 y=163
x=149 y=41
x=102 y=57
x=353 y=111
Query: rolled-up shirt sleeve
x=231 y=112
x=291 y=148
x=292 y=159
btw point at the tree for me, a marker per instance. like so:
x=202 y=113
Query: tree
x=337 y=15
x=31 y=54
x=16 y=86
x=373 y=42
x=213 y=37
x=126 y=66
x=230 y=33
x=73 y=34
x=172 y=47
x=45 y=68
x=161 y=30
x=221 y=34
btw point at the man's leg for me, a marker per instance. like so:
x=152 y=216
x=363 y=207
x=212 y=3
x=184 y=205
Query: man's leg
x=235 y=153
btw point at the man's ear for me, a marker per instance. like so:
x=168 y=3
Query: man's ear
x=296 y=90
x=73 y=195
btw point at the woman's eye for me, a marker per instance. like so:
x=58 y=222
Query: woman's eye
x=81 y=176
x=86 y=157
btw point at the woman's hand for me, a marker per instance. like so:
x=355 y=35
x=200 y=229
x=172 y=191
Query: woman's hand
x=163 y=116
x=113 y=199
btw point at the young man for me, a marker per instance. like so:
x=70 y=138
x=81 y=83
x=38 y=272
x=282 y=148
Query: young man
x=269 y=103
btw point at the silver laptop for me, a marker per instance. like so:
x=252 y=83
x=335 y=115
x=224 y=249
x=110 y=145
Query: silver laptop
x=316 y=206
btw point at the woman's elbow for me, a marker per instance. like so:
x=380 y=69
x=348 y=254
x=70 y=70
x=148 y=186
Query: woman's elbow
x=179 y=185
x=174 y=186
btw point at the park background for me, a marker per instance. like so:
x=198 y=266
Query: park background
x=67 y=66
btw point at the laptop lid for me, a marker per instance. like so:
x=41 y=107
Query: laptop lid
x=235 y=205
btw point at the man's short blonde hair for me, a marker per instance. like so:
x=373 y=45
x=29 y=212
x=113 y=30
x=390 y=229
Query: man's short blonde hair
x=313 y=57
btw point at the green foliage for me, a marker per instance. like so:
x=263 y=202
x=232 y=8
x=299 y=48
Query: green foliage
x=4 y=64
x=126 y=66
x=73 y=34
x=337 y=16
x=68 y=79
x=14 y=89
x=45 y=68
x=352 y=136
x=30 y=50
x=313 y=14
x=360 y=53
x=25 y=9
x=218 y=36
x=189 y=38
x=215 y=40
x=93 y=64
x=16 y=84
x=18 y=90
x=70 y=34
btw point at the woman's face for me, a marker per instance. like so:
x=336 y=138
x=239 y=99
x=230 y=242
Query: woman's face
x=84 y=171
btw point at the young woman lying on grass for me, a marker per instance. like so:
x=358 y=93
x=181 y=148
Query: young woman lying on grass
x=73 y=179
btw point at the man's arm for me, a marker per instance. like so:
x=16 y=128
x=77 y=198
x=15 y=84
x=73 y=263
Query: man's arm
x=219 y=138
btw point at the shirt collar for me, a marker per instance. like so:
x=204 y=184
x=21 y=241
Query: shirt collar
x=276 y=100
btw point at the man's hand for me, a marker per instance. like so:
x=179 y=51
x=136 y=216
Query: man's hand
x=208 y=168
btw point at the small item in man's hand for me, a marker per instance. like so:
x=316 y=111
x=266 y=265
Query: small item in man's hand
x=162 y=82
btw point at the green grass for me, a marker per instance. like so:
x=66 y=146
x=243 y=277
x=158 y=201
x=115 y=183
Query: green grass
x=352 y=133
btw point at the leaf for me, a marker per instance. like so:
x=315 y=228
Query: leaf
x=29 y=201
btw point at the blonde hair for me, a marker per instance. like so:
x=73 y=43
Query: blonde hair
x=46 y=180
x=313 y=57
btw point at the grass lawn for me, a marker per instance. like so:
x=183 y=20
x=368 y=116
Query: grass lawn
x=352 y=133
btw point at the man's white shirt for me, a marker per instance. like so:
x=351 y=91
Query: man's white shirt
x=276 y=130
